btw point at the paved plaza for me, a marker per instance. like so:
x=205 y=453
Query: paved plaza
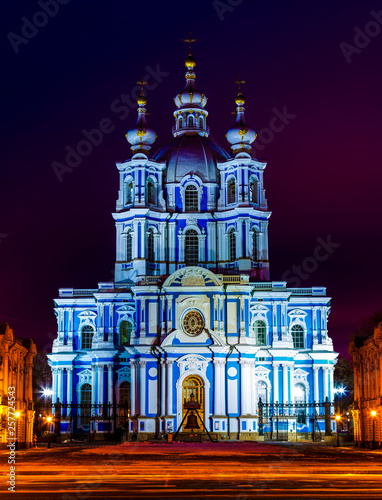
x=196 y=470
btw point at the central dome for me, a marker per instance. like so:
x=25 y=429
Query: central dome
x=191 y=154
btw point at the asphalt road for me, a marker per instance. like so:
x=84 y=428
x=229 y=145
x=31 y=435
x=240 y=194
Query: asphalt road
x=212 y=471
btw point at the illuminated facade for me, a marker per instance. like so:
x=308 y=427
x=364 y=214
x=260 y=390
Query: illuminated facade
x=192 y=307
x=16 y=391
x=367 y=413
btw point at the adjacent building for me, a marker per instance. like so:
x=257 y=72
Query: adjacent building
x=16 y=391
x=367 y=413
x=192 y=309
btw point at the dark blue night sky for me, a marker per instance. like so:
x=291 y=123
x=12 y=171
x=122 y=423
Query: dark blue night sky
x=305 y=61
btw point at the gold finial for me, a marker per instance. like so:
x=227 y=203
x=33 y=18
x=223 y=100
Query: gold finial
x=190 y=40
x=142 y=101
x=240 y=100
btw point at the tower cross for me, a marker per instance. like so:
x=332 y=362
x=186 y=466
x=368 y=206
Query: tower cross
x=142 y=83
x=190 y=40
x=239 y=82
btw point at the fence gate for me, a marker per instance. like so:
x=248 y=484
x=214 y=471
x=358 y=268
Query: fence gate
x=279 y=429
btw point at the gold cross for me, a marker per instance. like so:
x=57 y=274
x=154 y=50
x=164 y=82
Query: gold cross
x=190 y=40
x=142 y=83
x=239 y=82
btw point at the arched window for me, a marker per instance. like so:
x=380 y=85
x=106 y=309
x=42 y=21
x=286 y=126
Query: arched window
x=253 y=191
x=150 y=246
x=191 y=199
x=232 y=245
x=231 y=191
x=129 y=193
x=299 y=394
x=87 y=333
x=200 y=122
x=190 y=121
x=129 y=247
x=255 y=249
x=262 y=391
x=260 y=329
x=298 y=337
x=150 y=192
x=180 y=122
x=85 y=400
x=191 y=248
x=125 y=329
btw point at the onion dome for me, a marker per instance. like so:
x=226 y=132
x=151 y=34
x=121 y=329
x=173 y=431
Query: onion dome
x=240 y=135
x=191 y=115
x=141 y=137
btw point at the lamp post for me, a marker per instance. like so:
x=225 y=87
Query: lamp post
x=17 y=415
x=49 y=419
x=373 y=415
x=338 y=418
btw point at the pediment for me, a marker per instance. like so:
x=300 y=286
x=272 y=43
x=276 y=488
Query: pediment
x=192 y=277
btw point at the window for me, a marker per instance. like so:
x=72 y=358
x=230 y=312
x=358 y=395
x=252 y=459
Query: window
x=191 y=199
x=86 y=400
x=190 y=121
x=125 y=329
x=232 y=245
x=253 y=195
x=124 y=400
x=192 y=248
x=200 y=122
x=87 y=337
x=262 y=391
x=150 y=193
x=260 y=329
x=129 y=247
x=299 y=394
x=129 y=193
x=150 y=246
x=231 y=190
x=255 y=250
x=298 y=336
x=180 y=122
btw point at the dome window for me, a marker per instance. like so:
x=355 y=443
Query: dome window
x=200 y=122
x=192 y=248
x=232 y=245
x=150 y=192
x=191 y=199
x=260 y=329
x=231 y=191
x=190 y=121
x=180 y=123
x=125 y=329
x=87 y=337
x=298 y=337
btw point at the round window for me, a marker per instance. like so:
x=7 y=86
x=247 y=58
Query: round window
x=193 y=323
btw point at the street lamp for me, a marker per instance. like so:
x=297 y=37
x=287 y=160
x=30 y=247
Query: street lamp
x=373 y=415
x=339 y=392
x=49 y=419
x=17 y=415
x=338 y=418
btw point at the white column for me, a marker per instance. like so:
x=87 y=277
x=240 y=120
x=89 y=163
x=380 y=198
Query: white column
x=163 y=387
x=291 y=378
x=54 y=385
x=69 y=385
x=59 y=384
x=325 y=381
x=132 y=388
x=135 y=240
x=93 y=384
x=316 y=395
x=219 y=400
x=285 y=384
x=142 y=387
x=245 y=386
x=169 y=363
x=331 y=375
x=276 y=383
x=255 y=403
x=100 y=370
x=110 y=383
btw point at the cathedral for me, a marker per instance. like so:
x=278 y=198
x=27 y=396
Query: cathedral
x=192 y=313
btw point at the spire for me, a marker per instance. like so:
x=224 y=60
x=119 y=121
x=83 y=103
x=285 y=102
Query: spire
x=141 y=137
x=191 y=117
x=240 y=135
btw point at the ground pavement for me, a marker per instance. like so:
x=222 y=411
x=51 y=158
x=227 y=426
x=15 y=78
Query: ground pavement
x=234 y=470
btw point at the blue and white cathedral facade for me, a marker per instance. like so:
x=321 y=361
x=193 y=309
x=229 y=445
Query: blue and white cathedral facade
x=192 y=309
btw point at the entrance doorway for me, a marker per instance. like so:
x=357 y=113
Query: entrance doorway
x=193 y=385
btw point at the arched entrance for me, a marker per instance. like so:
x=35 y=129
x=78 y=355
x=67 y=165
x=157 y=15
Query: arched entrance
x=193 y=385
